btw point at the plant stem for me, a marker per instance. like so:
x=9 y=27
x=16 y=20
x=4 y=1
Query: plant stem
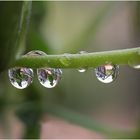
x=23 y=27
x=32 y=132
x=124 y=56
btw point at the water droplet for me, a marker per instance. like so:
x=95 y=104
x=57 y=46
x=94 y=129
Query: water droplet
x=20 y=77
x=49 y=77
x=133 y=64
x=136 y=66
x=107 y=73
x=82 y=69
x=36 y=52
x=82 y=52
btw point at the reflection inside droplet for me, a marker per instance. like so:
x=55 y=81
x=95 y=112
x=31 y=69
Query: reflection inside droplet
x=49 y=77
x=20 y=77
x=107 y=73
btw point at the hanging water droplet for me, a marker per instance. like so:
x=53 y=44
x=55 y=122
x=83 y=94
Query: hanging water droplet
x=49 y=77
x=133 y=64
x=107 y=73
x=82 y=69
x=136 y=66
x=20 y=77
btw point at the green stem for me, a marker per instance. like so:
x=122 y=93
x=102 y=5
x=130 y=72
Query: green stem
x=123 y=56
x=23 y=27
x=32 y=132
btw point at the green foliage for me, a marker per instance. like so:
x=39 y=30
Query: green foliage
x=34 y=103
x=9 y=28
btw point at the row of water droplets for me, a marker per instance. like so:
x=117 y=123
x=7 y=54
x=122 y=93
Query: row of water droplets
x=50 y=77
x=106 y=73
x=23 y=77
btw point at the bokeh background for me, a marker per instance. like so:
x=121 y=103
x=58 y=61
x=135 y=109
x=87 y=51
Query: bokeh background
x=79 y=106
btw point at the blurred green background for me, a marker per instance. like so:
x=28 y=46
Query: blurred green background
x=82 y=106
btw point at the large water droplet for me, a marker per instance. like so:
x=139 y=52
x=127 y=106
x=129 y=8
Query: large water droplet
x=82 y=69
x=107 y=73
x=49 y=77
x=20 y=77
